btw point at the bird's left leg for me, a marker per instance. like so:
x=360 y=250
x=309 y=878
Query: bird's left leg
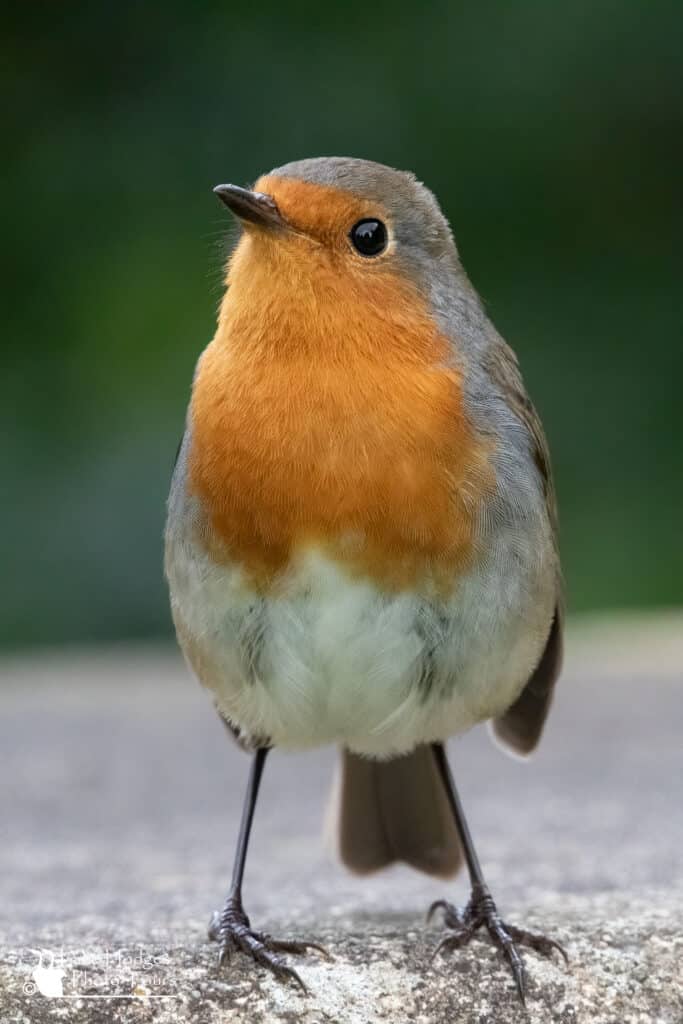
x=231 y=928
x=481 y=911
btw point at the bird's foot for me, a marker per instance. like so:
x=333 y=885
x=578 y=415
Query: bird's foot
x=481 y=912
x=232 y=930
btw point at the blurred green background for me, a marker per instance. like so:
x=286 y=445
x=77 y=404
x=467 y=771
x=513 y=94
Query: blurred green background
x=552 y=134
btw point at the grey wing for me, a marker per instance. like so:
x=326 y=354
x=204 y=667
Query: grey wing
x=522 y=724
x=520 y=727
x=176 y=500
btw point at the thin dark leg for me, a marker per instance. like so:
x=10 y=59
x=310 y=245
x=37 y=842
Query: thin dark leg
x=250 y=798
x=232 y=928
x=471 y=859
x=481 y=909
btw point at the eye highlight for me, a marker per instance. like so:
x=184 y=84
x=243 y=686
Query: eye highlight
x=369 y=237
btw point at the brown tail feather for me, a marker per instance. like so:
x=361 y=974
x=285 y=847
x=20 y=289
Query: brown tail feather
x=396 y=811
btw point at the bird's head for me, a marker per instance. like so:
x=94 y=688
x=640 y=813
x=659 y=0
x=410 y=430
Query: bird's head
x=341 y=246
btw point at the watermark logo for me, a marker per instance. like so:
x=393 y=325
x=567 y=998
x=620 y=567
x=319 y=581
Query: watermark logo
x=89 y=974
x=47 y=978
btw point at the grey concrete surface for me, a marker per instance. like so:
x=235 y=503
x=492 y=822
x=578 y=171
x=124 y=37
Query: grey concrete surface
x=120 y=796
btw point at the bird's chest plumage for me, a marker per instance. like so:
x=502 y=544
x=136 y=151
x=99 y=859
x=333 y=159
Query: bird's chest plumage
x=373 y=462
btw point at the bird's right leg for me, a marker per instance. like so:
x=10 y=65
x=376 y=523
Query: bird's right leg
x=481 y=911
x=231 y=928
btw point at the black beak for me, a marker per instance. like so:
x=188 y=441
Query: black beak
x=254 y=207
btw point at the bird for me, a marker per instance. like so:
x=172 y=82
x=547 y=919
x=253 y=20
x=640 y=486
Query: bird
x=361 y=539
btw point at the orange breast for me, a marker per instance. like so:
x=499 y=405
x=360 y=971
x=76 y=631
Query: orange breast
x=326 y=412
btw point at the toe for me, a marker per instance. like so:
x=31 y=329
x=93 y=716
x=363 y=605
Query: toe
x=503 y=939
x=275 y=963
x=517 y=968
x=227 y=948
x=539 y=943
x=297 y=948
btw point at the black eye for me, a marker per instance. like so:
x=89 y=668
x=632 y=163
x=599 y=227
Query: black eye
x=369 y=237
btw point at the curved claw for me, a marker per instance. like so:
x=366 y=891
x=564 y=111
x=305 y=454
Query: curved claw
x=520 y=981
x=437 y=950
x=540 y=943
x=449 y=942
x=437 y=905
x=561 y=950
x=554 y=945
x=287 y=973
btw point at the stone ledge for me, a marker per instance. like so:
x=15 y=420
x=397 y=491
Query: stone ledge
x=625 y=968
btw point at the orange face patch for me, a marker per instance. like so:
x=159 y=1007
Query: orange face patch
x=321 y=212
x=325 y=410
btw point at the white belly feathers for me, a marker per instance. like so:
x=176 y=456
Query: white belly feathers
x=331 y=659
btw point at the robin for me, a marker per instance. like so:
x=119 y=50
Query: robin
x=361 y=536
